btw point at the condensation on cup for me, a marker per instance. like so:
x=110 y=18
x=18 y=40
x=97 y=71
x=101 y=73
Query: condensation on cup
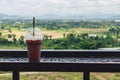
x=34 y=44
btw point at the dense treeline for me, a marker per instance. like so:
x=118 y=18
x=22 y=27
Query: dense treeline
x=59 y=24
x=11 y=41
x=77 y=24
x=80 y=41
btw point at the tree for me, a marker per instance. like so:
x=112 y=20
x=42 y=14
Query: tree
x=21 y=40
x=0 y=33
x=84 y=44
x=9 y=36
x=71 y=37
x=63 y=25
x=9 y=30
x=84 y=35
x=13 y=35
x=22 y=37
x=3 y=41
x=2 y=27
x=50 y=37
x=45 y=37
x=64 y=35
x=14 y=40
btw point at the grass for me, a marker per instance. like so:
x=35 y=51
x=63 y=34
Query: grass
x=61 y=76
x=45 y=76
x=52 y=76
x=105 y=76
x=88 y=30
x=6 y=76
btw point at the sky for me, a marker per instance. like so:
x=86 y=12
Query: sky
x=59 y=7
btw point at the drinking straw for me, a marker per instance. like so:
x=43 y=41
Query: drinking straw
x=33 y=26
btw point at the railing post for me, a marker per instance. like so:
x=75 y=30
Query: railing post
x=16 y=75
x=86 y=75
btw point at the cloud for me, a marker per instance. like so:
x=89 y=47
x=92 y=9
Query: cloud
x=64 y=7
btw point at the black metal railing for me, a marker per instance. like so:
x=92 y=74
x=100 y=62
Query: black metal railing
x=86 y=68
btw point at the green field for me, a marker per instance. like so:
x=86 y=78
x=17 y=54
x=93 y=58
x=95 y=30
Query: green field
x=61 y=76
x=55 y=33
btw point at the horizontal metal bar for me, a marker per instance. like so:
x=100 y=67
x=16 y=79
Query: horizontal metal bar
x=60 y=67
x=63 y=53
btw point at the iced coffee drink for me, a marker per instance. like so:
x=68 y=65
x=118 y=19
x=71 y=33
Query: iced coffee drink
x=34 y=52
x=34 y=39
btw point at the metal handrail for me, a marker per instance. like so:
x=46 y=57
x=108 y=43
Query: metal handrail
x=63 y=53
x=86 y=68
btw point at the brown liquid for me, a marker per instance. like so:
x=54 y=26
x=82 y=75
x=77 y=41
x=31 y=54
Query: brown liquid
x=34 y=52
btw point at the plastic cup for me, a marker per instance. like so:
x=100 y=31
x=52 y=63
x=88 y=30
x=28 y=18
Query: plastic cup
x=34 y=45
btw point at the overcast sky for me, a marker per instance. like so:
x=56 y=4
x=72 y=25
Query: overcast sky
x=62 y=7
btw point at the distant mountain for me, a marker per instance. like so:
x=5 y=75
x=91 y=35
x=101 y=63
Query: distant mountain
x=51 y=16
x=4 y=16
x=96 y=16
x=104 y=16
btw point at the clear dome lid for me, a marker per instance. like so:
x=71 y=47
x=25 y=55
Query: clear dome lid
x=36 y=36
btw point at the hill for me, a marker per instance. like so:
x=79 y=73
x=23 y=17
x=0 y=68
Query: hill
x=95 y=16
x=5 y=16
